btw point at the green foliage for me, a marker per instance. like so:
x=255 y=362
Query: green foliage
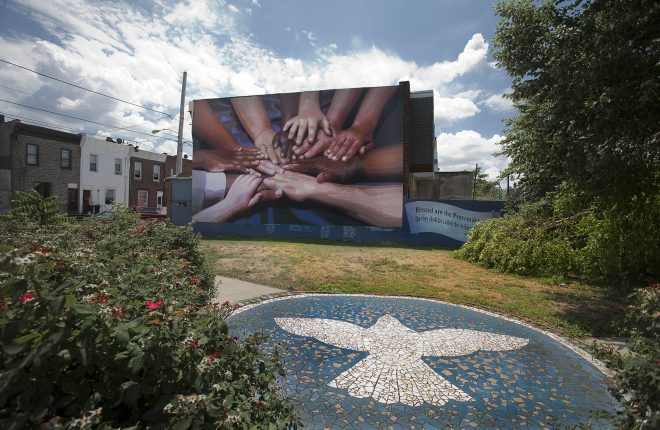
x=555 y=238
x=586 y=142
x=106 y=323
x=638 y=372
x=485 y=189
x=522 y=243
x=33 y=207
x=585 y=83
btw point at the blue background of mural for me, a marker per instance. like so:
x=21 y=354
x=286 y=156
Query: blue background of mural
x=540 y=385
x=360 y=234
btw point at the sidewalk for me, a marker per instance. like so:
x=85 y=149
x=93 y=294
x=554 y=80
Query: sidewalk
x=237 y=291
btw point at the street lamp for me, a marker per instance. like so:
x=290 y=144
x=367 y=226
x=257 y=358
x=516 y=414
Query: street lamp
x=162 y=129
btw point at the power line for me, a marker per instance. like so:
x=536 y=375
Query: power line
x=77 y=118
x=73 y=106
x=62 y=127
x=86 y=89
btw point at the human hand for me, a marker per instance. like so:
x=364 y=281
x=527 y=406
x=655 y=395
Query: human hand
x=307 y=122
x=243 y=193
x=296 y=186
x=349 y=142
x=264 y=143
x=306 y=150
x=220 y=160
x=327 y=170
x=284 y=146
x=268 y=168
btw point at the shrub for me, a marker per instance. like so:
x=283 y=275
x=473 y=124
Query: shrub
x=107 y=323
x=33 y=207
x=556 y=237
x=638 y=371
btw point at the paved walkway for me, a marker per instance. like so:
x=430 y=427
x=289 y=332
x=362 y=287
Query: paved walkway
x=365 y=362
x=237 y=291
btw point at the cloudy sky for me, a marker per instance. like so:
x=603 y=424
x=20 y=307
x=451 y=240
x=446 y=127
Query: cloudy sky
x=137 y=51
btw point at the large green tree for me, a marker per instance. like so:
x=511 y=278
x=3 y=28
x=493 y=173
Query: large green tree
x=586 y=83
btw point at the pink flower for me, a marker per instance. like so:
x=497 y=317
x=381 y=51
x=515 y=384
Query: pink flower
x=26 y=297
x=152 y=305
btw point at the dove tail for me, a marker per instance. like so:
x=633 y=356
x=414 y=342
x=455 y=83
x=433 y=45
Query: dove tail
x=413 y=383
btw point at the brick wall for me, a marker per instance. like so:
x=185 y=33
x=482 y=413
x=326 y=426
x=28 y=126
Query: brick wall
x=48 y=170
x=147 y=182
x=170 y=166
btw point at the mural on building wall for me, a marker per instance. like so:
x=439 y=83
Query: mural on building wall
x=331 y=158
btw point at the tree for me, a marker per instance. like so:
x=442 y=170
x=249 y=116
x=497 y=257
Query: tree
x=485 y=189
x=587 y=88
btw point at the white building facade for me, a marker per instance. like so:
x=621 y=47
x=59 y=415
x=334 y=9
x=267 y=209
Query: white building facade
x=104 y=175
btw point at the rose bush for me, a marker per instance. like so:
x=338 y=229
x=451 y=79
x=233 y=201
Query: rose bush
x=107 y=323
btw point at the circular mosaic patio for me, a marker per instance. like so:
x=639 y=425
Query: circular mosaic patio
x=365 y=362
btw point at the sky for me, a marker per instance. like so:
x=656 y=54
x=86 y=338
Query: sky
x=138 y=50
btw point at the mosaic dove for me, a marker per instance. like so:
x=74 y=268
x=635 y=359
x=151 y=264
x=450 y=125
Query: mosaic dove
x=393 y=372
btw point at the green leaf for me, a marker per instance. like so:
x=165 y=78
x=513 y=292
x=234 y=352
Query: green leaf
x=27 y=337
x=183 y=423
x=69 y=301
x=136 y=363
x=131 y=391
x=81 y=309
x=228 y=401
x=56 y=306
x=13 y=348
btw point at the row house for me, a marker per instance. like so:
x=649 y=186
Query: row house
x=86 y=174
x=39 y=158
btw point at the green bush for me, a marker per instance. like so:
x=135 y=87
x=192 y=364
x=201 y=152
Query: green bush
x=106 y=323
x=638 y=371
x=521 y=243
x=616 y=246
x=31 y=206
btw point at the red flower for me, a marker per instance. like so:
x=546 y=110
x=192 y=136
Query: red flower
x=152 y=305
x=101 y=298
x=26 y=297
x=213 y=356
x=141 y=229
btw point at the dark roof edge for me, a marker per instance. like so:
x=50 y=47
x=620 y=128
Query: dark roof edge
x=46 y=133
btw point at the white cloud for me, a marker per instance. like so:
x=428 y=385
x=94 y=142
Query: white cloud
x=140 y=57
x=462 y=150
x=232 y=8
x=498 y=103
x=67 y=103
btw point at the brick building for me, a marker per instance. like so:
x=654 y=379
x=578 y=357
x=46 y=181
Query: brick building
x=40 y=158
x=147 y=184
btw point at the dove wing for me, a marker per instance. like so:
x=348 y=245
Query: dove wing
x=338 y=333
x=453 y=342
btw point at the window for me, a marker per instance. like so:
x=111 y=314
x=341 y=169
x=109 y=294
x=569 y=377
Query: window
x=65 y=158
x=43 y=188
x=93 y=162
x=32 y=154
x=157 y=172
x=159 y=199
x=143 y=198
x=109 y=197
x=117 y=166
x=137 y=171
x=171 y=172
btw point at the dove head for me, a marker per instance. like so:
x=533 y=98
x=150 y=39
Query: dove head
x=388 y=339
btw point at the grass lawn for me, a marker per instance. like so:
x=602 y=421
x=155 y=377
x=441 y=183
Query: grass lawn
x=573 y=310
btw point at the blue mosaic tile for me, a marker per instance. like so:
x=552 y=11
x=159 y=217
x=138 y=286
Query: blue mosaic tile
x=359 y=362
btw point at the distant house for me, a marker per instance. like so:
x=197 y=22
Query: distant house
x=147 y=175
x=170 y=167
x=39 y=158
x=104 y=175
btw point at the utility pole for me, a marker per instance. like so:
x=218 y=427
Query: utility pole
x=179 y=146
x=474 y=179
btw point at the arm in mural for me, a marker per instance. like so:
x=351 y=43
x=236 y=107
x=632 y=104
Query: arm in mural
x=379 y=164
x=254 y=117
x=209 y=128
x=243 y=193
x=221 y=160
x=379 y=206
x=288 y=108
x=356 y=139
x=309 y=119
